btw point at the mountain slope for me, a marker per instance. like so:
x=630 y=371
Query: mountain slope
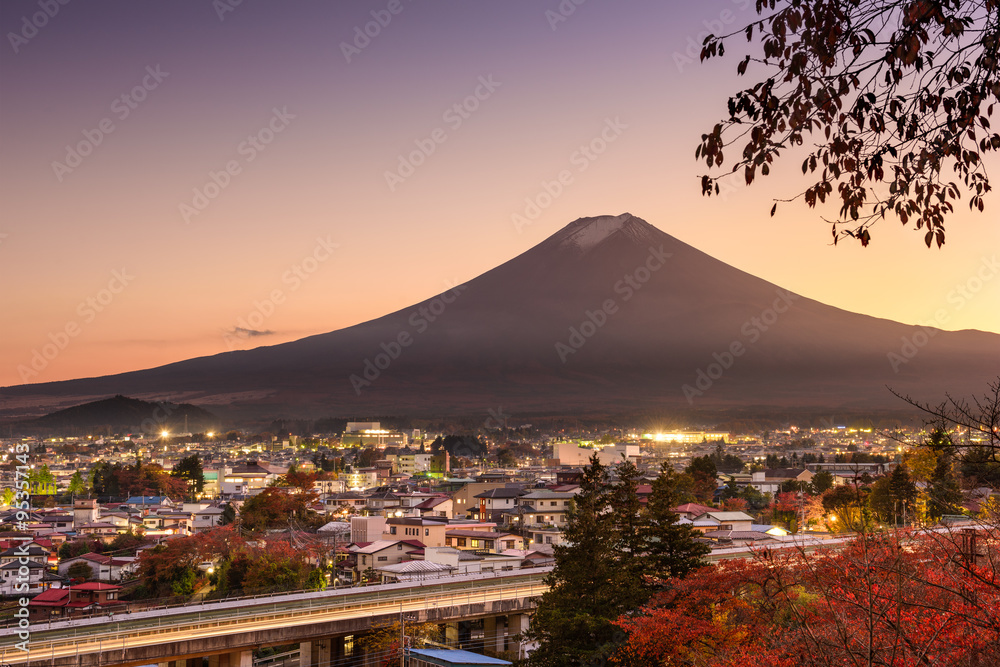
x=123 y=414
x=607 y=314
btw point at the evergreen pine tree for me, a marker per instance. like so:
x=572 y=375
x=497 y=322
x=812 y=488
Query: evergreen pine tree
x=671 y=549
x=629 y=537
x=572 y=623
x=892 y=496
x=616 y=554
x=944 y=494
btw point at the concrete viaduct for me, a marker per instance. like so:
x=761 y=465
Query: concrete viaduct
x=227 y=632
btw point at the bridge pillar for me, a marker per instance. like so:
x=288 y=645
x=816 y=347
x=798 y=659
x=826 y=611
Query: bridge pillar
x=324 y=651
x=316 y=653
x=517 y=624
x=236 y=659
x=451 y=634
x=493 y=634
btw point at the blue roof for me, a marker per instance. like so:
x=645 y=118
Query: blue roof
x=145 y=500
x=456 y=657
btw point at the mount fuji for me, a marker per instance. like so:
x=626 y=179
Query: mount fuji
x=608 y=315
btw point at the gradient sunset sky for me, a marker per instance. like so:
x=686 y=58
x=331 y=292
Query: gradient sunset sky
x=339 y=111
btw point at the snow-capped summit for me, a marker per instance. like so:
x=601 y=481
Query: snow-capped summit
x=587 y=233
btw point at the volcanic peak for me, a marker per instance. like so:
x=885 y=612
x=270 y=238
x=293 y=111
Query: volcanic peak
x=585 y=234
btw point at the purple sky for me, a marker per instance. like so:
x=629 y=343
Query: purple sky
x=130 y=256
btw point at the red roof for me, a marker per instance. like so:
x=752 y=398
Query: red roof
x=93 y=557
x=693 y=508
x=95 y=586
x=53 y=597
x=414 y=543
x=432 y=502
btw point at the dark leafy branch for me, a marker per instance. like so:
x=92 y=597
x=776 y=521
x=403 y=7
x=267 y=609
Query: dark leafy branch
x=886 y=97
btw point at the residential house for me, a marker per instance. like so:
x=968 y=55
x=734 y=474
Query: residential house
x=31 y=551
x=100 y=529
x=463 y=561
x=692 y=510
x=464 y=497
x=58 y=521
x=246 y=480
x=349 y=500
x=120 y=520
x=479 y=540
x=542 y=507
x=382 y=502
x=441 y=506
x=13 y=581
x=383 y=552
x=104 y=568
x=148 y=503
x=542 y=534
x=493 y=504
x=85 y=511
x=428 y=531
x=413 y=571
x=207 y=518
x=77 y=600
x=771 y=481
x=326 y=486
x=723 y=521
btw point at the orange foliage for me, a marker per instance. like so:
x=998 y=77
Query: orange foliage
x=881 y=600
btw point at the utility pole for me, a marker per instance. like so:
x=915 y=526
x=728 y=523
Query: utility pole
x=402 y=638
x=802 y=511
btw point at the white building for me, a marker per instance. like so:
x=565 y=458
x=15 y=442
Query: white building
x=572 y=454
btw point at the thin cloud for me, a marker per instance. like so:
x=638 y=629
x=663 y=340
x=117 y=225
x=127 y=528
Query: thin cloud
x=249 y=333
